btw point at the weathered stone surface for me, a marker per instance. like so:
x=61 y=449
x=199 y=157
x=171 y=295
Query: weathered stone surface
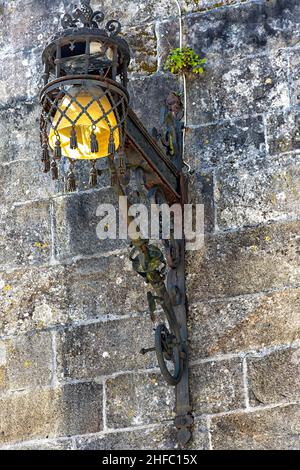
x=32 y=298
x=190 y=6
x=19 y=130
x=25 y=234
x=238 y=31
x=76 y=222
x=3 y=369
x=37 y=298
x=272 y=429
x=105 y=286
x=229 y=143
x=156 y=438
x=3 y=379
x=151 y=400
x=274 y=378
x=28 y=360
x=294 y=73
x=31 y=30
x=21 y=181
x=21 y=31
x=103 y=348
x=217 y=386
x=244 y=323
x=57 y=444
x=245 y=29
x=148 y=95
x=238 y=202
x=135 y=12
x=24 y=80
x=283 y=131
x=71 y=410
x=201 y=191
x=252 y=260
x=234 y=89
x=143 y=45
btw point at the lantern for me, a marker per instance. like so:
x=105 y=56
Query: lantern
x=84 y=100
x=86 y=116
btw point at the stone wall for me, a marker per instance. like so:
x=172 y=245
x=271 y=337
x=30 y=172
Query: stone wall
x=72 y=313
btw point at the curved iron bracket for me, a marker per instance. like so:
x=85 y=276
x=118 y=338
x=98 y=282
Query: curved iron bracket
x=159 y=178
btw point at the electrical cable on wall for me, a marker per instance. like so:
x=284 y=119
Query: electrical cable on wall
x=184 y=83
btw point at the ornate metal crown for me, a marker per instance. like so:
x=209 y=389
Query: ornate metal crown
x=84 y=16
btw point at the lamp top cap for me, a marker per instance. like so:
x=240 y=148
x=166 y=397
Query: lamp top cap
x=83 y=16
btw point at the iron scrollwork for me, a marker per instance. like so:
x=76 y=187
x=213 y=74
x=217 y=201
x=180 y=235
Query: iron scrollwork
x=149 y=261
x=85 y=16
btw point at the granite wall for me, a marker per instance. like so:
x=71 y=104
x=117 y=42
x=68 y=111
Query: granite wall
x=72 y=313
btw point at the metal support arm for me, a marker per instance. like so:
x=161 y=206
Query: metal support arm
x=159 y=176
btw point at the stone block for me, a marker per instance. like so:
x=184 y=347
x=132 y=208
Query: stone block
x=148 y=95
x=272 y=429
x=22 y=181
x=274 y=378
x=56 y=444
x=283 y=131
x=28 y=360
x=155 y=438
x=136 y=399
x=243 y=29
x=25 y=234
x=37 y=298
x=19 y=132
x=23 y=82
x=33 y=298
x=238 y=88
x=104 y=348
x=217 y=386
x=258 y=192
x=229 y=144
x=143 y=45
x=244 y=323
x=49 y=413
x=76 y=222
x=135 y=12
x=105 y=286
x=244 y=262
x=29 y=24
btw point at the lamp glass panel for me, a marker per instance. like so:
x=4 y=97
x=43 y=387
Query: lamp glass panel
x=83 y=126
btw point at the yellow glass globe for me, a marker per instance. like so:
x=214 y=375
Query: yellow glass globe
x=83 y=126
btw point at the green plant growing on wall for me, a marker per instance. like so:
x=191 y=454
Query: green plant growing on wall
x=183 y=61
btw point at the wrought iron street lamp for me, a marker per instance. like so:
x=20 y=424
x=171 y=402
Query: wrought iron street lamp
x=86 y=116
